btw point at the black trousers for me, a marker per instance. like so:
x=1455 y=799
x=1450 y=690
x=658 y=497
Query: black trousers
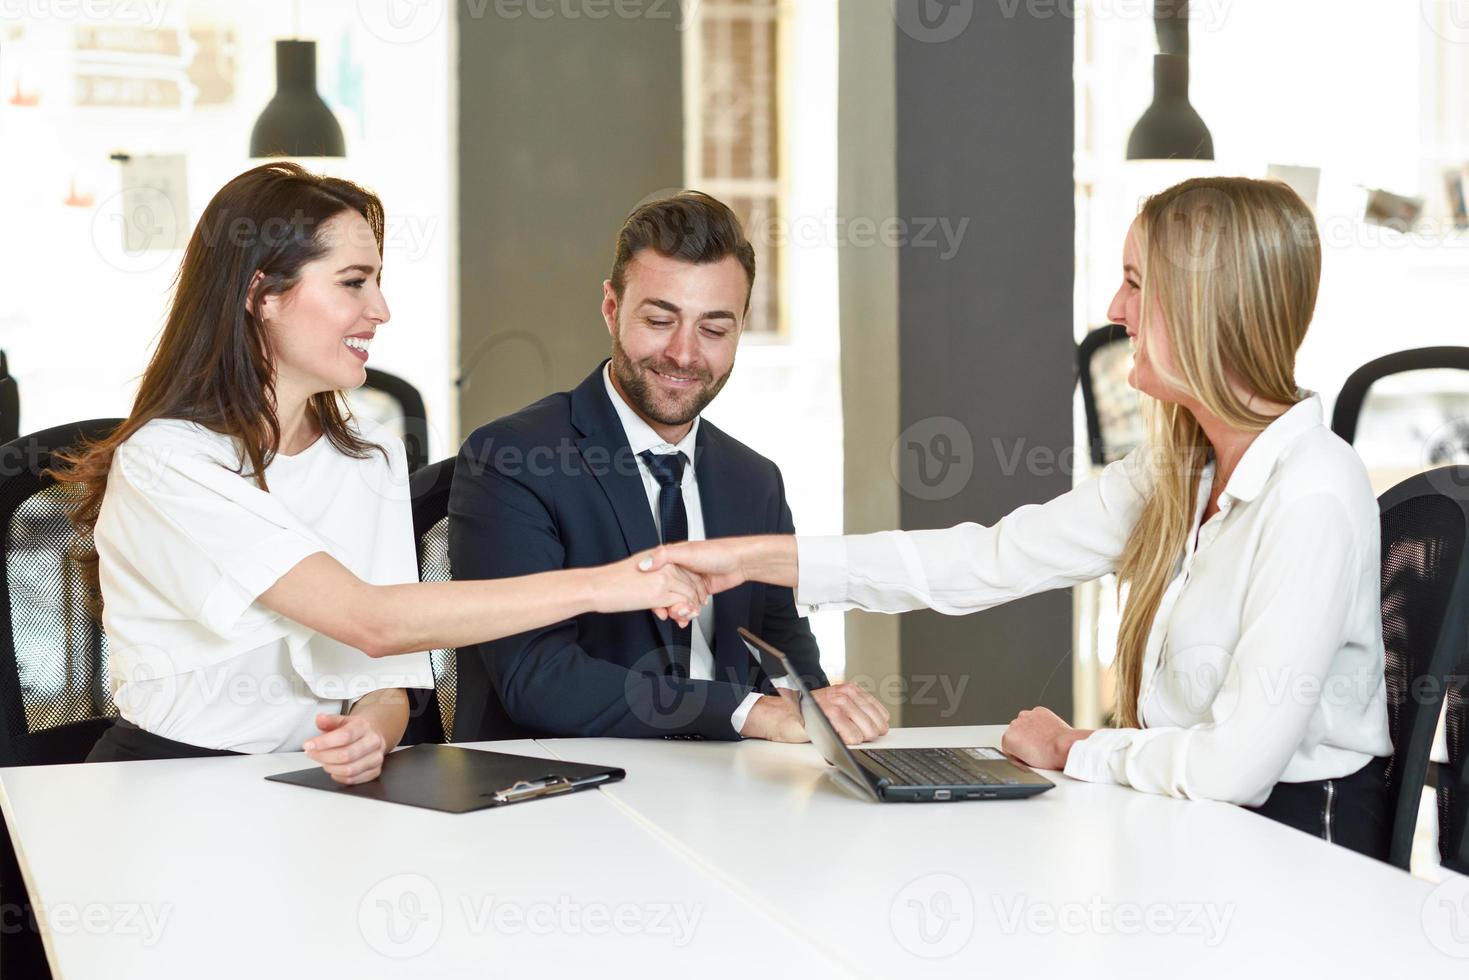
x=1350 y=811
x=126 y=742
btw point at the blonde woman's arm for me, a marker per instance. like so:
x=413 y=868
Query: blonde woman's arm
x=1070 y=539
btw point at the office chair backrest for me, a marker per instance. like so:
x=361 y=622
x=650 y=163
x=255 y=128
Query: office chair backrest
x=1448 y=441
x=9 y=403
x=433 y=711
x=1425 y=585
x=1114 y=421
x=390 y=401
x=54 y=696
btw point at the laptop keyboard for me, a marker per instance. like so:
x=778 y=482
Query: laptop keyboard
x=936 y=767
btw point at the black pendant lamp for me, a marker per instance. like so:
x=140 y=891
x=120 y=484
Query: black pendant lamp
x=296 y=122
x=1170 y=128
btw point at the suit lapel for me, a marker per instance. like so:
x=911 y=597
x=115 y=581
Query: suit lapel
x=607 y=456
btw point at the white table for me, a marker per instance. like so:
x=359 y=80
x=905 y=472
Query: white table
x=248 y=878
x=723 y=859
x=1044 y=887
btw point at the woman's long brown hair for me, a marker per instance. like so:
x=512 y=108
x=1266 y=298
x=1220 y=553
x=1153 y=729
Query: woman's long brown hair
x=213 y=365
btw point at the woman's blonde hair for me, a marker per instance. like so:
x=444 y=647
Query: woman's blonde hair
x=1233 y=265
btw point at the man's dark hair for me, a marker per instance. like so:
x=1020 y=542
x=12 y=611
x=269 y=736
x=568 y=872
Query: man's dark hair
x=690 y=226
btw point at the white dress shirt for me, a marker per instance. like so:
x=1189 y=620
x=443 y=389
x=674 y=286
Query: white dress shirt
x=1265 y=659
x=186 y=546
x=642 y=438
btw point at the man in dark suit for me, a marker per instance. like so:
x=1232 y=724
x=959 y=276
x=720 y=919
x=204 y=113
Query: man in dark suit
x=616 y=466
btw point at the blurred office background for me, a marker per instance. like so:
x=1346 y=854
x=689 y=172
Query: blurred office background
x=937 y=192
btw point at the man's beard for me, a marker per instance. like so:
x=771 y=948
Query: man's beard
x=664 y=408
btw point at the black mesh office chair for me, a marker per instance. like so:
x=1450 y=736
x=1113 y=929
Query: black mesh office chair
x=431 y=713
x=9 y=403
x=1346 y=416
x=389 y=400
x=1114 y=423
x=54 y=698
x=54 y=701
x=1425 y=584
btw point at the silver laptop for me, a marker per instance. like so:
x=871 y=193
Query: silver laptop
x=908 y=775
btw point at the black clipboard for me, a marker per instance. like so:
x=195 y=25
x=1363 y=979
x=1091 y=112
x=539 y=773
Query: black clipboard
x=459 y=780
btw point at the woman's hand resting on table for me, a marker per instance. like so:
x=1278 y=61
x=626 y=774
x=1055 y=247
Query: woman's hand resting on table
x=1040 y=739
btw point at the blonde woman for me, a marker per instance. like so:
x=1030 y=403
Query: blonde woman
x=1245 y=534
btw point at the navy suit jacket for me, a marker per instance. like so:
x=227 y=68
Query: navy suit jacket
x=556 y=485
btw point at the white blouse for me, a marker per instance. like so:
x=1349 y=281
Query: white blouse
x=1265 y=659
x=186 y=546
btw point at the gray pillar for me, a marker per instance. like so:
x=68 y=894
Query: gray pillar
x=983 y=132
x=867 y=191
x=565 y=124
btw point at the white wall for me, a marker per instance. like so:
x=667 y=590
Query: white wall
x=79 y=314
x=784 y=399
x=1350 y=86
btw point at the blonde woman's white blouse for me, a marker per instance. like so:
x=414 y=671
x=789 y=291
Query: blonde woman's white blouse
x=187 y=545
x=1265 y=659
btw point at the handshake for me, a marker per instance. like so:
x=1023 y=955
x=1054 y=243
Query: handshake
x=676 y=580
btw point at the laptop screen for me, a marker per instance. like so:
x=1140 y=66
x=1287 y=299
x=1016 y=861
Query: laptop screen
x=820 y=730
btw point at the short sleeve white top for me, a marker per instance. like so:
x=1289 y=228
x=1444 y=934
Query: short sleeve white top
x=186 y=546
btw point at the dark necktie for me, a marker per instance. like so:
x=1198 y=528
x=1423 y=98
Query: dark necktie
x=673 y=519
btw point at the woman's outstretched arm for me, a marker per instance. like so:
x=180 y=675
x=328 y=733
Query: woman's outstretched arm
x=381 y=620
x=962 y=569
